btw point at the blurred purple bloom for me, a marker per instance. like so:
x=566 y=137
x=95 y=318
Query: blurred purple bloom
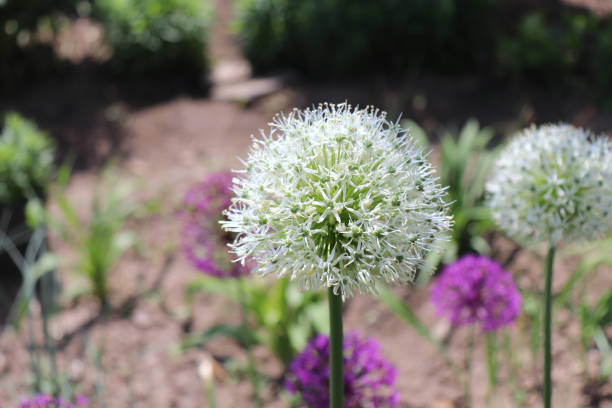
x=476 y=289
x=204 y=242
x=49 y=401
x=81 y=400
x=368 y=379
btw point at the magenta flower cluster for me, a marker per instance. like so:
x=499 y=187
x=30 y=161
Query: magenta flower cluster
x=204 y=242
x=369 y=380
x=49 y=401
x=476 y=289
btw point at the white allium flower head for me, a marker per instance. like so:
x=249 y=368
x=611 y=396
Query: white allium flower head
x=337 y=197
x=553 y=182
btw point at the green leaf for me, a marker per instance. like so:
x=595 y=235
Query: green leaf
x=46 y=263
x=532 y=307
x=35 y=213
x=299 y=336
x=207 y=284
x=588 y=265
x=418 y=133
x=402 y=311
x=63 y=174
x=603 y=310
x=492 y=362
x=69 y=214
x=317 y=314
x=603 y=345
x=238 y=333
x=280 y=316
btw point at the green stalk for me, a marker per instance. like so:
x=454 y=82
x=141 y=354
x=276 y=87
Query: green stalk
x=34 y=358
x=209 y=390
x=336 y=351
x=47 y=304
x=547 y=391
x=492 y=363
x=252 y=370
x=468 y=369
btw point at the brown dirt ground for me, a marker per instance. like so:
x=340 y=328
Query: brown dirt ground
x=169 y=137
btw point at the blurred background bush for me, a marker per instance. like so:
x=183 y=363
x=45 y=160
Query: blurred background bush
x=331 y=38
x=26 y=160
x=545 y=41
x=155 y=36
x=21 y=55
x=145 y=36
x=26 y=167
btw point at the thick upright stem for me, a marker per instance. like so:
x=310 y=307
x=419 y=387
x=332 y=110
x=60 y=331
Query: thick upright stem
x=336 y=351
x=547 y=396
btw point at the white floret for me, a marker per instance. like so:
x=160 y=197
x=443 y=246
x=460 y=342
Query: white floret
x=552 y=183
x=337 y=197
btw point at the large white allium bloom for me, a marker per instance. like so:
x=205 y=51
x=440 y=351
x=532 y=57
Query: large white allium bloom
x=553 y=182
x=337 y=197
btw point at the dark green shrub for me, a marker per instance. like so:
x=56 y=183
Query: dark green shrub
x=545 y=48
x=339 y=37
x=601 y=63
x=26 y=160
x=26 y=163
x=262 y=28
x=21 y=56
x=156 y=36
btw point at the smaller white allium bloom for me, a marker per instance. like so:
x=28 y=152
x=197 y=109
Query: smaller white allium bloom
x=553 y=182
x=337 y=197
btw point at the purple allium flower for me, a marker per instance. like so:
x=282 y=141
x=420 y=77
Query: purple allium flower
x=204 y=242
x=49 y=401
x=368 y=379
x=476 y=289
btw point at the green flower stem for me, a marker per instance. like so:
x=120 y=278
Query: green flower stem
x=336 y=351
x=468 y=369
x=46 y=282
x=252 y=370
x=547 y=391
x=209 y=390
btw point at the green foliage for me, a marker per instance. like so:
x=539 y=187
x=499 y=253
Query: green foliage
x=596 y=318
x=492 y=359
x=278 y=315
x=33 y=265
x=332 y=38
x=593 y=255
x=262 y=28
x=339 y=37
x=464 y=166
x=532 y=318
x=26 y=160
x=594 y=321
x=401 y=310
x=156 y=36
x=545 y=48
x=20 y=55
x=599 y=65
x=575 y=45
x=101 y=239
